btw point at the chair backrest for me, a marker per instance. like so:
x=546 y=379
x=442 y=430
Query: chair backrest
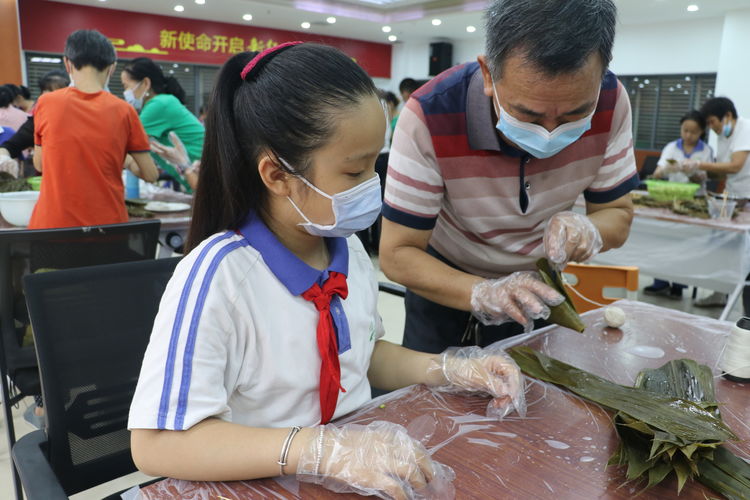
x=91 y=328
x=649 y=166
x=29 y=251
x=591 y=280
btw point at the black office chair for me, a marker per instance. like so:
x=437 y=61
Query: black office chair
x=26 y=251
x=91 y=329
x=648 y=168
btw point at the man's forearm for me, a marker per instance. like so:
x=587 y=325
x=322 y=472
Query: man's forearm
x=427 y=276
x=613 y=225
x=720 y=168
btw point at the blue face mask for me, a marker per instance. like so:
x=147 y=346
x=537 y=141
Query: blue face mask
x=537 y=140
x=727 y=129
x=354 y=210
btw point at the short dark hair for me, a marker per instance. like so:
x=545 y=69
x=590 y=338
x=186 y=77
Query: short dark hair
x=143 y=67
x=718 y=107
x=389 y=97
x=557 y=36
x=6 y=96
x=24 y=92
x=408 y=85
x=14 y=89
x=89 y=48
x=695 y=116
x=285 y=107
x=53 y=80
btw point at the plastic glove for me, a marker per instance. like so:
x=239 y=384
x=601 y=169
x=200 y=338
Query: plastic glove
x=489 y=370
x=570 y=237
x=669 y=167
x=176 y=155
x=520 y=297
x=690 y=166
x=9 y=165
x=379 y=459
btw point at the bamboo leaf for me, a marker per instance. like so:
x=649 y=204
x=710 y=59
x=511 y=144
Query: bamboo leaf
x=682 y=418
x=668 y=421
x=564 y=314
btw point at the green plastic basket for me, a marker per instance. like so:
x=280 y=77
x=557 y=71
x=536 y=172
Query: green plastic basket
x=35 y=182
x=667 y=191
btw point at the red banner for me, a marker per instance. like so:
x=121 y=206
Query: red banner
x=45 y=25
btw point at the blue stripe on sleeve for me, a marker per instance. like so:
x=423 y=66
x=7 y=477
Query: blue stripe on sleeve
x=187 y=359
x=408 y=220
x=619 y=191
x=177 y=326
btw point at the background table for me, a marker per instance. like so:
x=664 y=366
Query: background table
x=174 y=225
x=700 y=252
x=559 y=451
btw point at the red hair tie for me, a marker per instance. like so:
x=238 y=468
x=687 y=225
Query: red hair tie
x=255 y=60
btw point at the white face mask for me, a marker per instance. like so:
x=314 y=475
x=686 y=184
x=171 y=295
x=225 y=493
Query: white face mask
x=354 y=210
x=537 y=140
x=130 y=98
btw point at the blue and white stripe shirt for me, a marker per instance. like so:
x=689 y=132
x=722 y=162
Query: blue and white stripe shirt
x=234 y=339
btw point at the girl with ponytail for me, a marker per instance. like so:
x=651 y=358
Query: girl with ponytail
x=269 y=329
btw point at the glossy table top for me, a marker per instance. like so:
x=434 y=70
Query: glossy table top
x=560 y=450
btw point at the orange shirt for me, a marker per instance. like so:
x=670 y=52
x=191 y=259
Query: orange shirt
x=84 y=139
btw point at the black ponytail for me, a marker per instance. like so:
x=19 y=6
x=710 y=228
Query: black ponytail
x=287 y=108
x=143 y=67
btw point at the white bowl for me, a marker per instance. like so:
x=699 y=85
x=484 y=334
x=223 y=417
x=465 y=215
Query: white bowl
x=17 y=207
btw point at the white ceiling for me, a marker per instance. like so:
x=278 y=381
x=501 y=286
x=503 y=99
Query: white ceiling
x=410 y=19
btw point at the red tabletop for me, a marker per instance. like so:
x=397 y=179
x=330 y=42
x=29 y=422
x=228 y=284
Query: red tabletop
x=560 y=450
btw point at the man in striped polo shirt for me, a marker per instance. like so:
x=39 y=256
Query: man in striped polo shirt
x=486 y=163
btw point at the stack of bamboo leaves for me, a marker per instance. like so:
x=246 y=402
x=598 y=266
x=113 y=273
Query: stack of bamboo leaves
x=670 y=421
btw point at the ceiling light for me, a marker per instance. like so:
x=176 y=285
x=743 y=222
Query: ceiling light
x=437 y=22
x=200 y=2
x=331 y=20
x=305 y=25
x=247 y=17
x=179 y=8
x=471 y=29
x=692 y=8
x=392 y=38
x=386 y=29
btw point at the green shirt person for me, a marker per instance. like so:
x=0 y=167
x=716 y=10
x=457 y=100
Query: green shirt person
x=160 y=101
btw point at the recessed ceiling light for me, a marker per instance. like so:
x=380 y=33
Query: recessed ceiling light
x=179 y=8
x=437 y=22
x=200 y=2
x=331 y=20
x=247 y=17
x=471 y=29
x=102 y=0
x=692 y=8
x=392 y=38
x=386 y=29
x=305 y=25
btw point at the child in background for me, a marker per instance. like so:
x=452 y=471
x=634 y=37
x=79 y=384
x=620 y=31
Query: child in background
x=689 y=146
x=671 y=166
x=82 y=134
x=269 y=328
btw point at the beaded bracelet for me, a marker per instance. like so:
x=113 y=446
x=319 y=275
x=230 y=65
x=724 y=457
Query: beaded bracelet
x=285 y=448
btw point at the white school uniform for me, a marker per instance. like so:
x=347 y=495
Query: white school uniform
x=234 y=339
x=675 y=151
x=738 y=185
